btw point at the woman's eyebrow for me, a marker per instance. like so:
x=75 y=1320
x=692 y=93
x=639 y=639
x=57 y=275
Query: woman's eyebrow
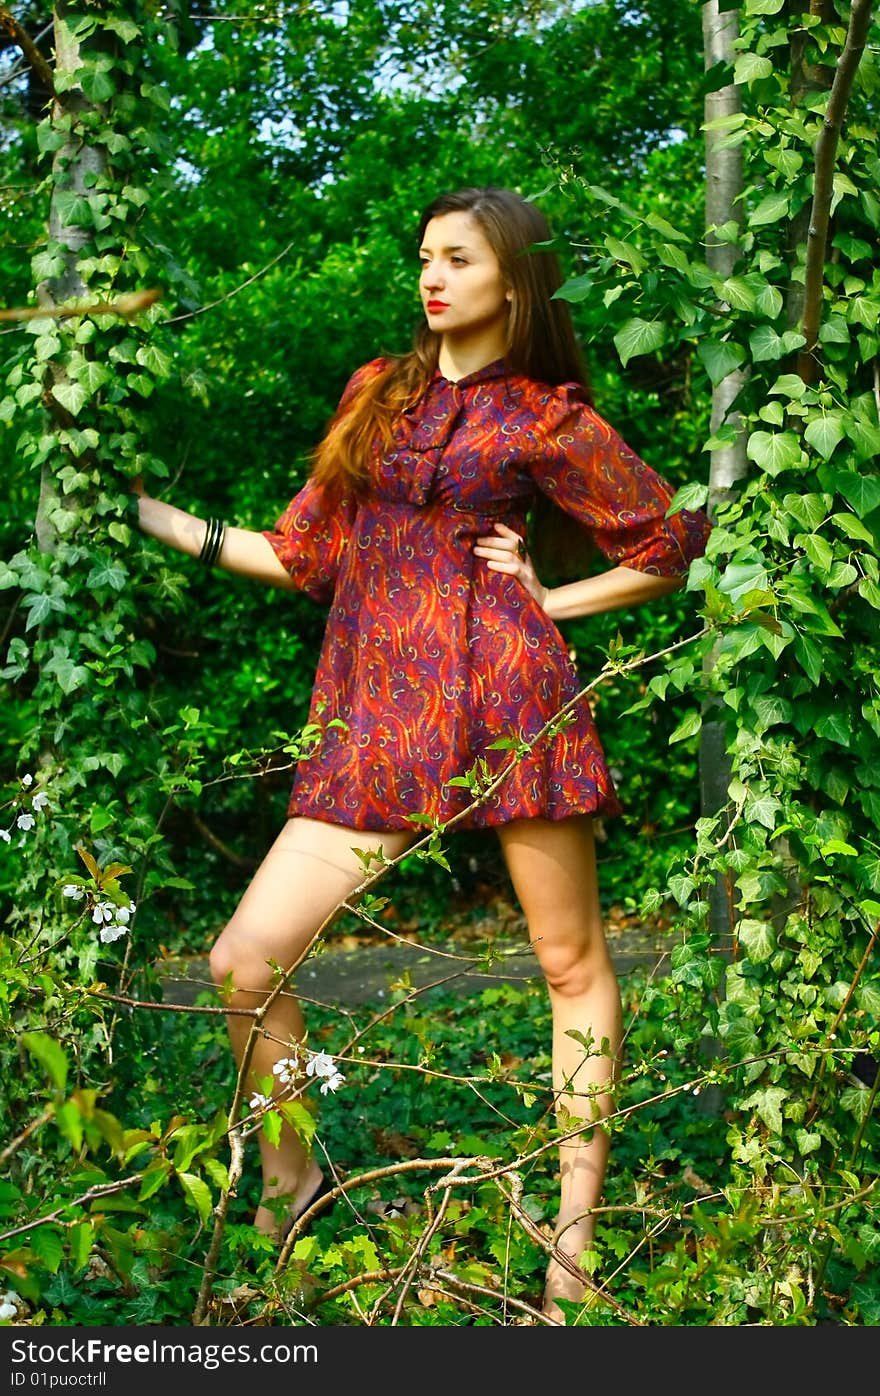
x=457 y=247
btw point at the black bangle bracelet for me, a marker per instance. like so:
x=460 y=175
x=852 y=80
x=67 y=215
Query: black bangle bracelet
x=214 y=535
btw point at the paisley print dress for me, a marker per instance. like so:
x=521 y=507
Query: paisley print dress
x=432 y=664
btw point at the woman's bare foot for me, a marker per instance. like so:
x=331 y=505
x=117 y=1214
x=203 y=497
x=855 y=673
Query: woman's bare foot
x=281 y=1204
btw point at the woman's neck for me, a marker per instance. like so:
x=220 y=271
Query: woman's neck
x=458 y=360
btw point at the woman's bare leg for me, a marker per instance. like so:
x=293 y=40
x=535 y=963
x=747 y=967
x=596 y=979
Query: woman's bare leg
x=553 y=870
x=309 y=870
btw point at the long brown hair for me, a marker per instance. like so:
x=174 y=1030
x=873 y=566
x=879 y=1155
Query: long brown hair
x=541 y=344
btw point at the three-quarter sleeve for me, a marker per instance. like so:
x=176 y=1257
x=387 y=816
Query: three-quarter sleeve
x=310 y=536
x=589 y=471
x=309 y=539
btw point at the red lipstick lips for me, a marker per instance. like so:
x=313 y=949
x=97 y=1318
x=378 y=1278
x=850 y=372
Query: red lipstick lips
x=437 y=305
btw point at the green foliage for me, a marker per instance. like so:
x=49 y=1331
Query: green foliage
x=264 y=177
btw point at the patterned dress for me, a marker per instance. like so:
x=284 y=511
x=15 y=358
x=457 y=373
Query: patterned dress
x=430 y=658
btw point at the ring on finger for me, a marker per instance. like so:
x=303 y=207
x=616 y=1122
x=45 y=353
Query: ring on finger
x=520 y=550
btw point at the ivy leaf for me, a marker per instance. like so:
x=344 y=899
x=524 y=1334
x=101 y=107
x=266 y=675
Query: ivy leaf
x=824 y=433
x=720 y=359
x=692 y=496
x=774 y=451
x=638 y=337
x=762 y=809
x=108 y=574
x=861 y=491
x=757 y=939
x=72 y=396
x=767 y=345
x=92 y=375
x=809 y=510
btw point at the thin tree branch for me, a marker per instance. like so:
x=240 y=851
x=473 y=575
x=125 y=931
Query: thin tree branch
x=22 y=38
x=823 y=186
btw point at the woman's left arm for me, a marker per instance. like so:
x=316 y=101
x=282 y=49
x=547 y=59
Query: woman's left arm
x=613 y=590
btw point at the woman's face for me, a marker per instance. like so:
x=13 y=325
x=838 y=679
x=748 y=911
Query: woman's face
x=462 y=289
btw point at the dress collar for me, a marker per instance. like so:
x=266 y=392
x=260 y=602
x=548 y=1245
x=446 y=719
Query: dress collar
x=496 y=369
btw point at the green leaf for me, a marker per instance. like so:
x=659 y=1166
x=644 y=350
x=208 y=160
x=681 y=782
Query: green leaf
x=757 y=938
x=772 y=209
x=692 y=496
x=774 y=451
x=870 y=591
x=762 y=809
x=824 y=433
x=737 y=292
x=837 y=728
x=766 y=345
x=638 y=337
x=666 y=230
x=92 y=375
x=750 y=67
x=50 y=1056
x=48 y=1247
x=809 y=510
x=576 y=289
x=720 y=358
x=198 y=1194
x=80 y=1237
x=688 y=727
x=818 y=551
x=97 y=85
x=108 y=574
x=861 y=491
x=627 y=253
x=72 y=396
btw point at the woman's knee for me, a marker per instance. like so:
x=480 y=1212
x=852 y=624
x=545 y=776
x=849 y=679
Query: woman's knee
x=235 y=964
x=572 y=965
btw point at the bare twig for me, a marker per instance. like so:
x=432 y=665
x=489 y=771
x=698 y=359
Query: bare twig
x=125 y=306
x=823 y=184
x=29 y=49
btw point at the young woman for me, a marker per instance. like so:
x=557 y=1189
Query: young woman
x=441 y=641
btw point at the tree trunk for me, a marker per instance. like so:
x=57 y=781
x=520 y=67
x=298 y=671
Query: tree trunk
x=724 y=182
x=73 y=168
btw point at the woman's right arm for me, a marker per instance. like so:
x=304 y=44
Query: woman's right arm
x=244 y=551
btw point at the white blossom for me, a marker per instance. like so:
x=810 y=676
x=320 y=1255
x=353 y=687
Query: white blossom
x=5 y=835
x=8 y=1306
x=321 y=1064
x=103 y=911
x=125 y=913
x=71 y=890
x=109 y=933
x=26 y=820
x=286 y=1070
x=27 y=780
x=258 y=1101
x=40 y=800
x=332 y=1083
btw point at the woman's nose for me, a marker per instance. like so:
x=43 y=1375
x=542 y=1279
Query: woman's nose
x=432 y=277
